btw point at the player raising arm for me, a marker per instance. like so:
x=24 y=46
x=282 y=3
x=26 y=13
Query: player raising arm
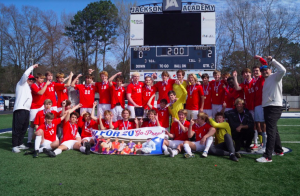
x=176 y=103
x=204 y=139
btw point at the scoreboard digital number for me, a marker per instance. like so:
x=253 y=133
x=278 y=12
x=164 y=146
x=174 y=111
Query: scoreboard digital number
x=173 y=57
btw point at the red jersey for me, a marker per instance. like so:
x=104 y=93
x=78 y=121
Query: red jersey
x=149 y=124
x=127 y=150
x=194 y=96
x=207 y=96
x=138 y=146
x=163 y=88
x=147 y=92
x=115 y=145
x=248 y=88
x=136 y=93
x=178 y=133
x=217 y=92
x=40 y=117
x=258 y=87
x=50 y=93
x=118 y=96
x=86 y=127
x=50 y=130
x=37 y=100
x=86 y=95
x=106 y=124
x=61 y=92
x=229 y=96
x=163 y=116
x=125 y=125
x=104 y=92
x=200 y=131
x=69 y=131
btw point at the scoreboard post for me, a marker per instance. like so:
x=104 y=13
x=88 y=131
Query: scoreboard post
x=173 y=35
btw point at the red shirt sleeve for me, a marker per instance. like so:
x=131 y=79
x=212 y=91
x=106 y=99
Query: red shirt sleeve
x=37 y=119
x=80 y=122
x=34 y=89
x=129 y=89
x=58 y=86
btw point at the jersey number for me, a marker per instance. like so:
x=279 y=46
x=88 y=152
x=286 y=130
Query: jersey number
x=87 y=92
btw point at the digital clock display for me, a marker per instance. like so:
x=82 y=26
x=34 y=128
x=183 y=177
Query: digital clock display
x=173 y=57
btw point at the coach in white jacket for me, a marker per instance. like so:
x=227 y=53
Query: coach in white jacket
x=21 y=109
x=272 y=105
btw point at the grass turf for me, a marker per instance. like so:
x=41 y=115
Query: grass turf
x=6 y=121
x=74 y=173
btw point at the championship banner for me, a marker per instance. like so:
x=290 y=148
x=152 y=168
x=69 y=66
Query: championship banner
x=141 y=141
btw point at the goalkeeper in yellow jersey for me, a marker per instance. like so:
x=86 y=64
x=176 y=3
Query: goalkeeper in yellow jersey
x=176 y=104
x=223 y=141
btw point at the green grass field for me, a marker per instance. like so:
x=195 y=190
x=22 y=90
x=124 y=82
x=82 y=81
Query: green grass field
x=74 y=173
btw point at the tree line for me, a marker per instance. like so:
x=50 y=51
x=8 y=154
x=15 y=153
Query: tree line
x=77 y=42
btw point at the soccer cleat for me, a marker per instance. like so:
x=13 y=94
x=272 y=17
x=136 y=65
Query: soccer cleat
x=204 y=154
x=263 y=160
x=187 y=155
x=87 y=148
x=29 y=145
x=171 y=153
x=238 y=155
x=261 y=151
x=49 y=152
x=22 y=147
x=279 y=154
x=166 y=152
x=36 y=154
x=233 y=158
x=254 y=147
x=16 y=149
x=27 y=152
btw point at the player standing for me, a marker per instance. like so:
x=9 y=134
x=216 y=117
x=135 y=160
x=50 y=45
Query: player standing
x=217 y=92
x=61 y=88
x=134 y=93
x=148 y=91
x=207 y=108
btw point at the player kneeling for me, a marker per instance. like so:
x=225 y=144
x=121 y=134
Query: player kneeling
x=203 y=132
x=46 y=135
x=71 y=138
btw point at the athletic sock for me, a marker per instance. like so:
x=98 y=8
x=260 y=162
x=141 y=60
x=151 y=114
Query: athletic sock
x=175 y=152
x=187 y=148
x=164 y=147
x=37 y=143
x=41 y=149
x=264 y=138
x=255 y=137
x=57 y=151
x=260 y=137
x=208 y=143
x=30 y=134
x=82 y=149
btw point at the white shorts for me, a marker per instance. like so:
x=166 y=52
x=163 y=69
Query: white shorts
x=174 y=143
x=59 y=109
x=69 y=144
x=86 y=109
x=208 y=112
x=46 y=142
x=87 y=138
x=117 y=113
x=192 y=114
x=252 y=113
x=54 y=108
x=259 y=114
x=101 y=108
x=215 y=109
x=33 y=113
x=199 y=147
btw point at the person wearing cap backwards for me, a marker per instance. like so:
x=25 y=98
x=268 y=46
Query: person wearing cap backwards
x=272 y=104
x=21 y=109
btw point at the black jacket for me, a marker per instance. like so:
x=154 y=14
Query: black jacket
x=233 y=119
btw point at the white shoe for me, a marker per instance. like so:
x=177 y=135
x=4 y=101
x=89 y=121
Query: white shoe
x=16 y=149
x=22 y=147
x=171 y=152
x=261 y=151
x=263 y=160
x=204 y=154
x=166 y=152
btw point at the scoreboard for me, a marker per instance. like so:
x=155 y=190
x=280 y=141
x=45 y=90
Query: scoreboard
x=173 y=57
x=173 y=35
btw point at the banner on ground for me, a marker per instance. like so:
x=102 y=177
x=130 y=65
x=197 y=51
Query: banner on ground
x=141 y=141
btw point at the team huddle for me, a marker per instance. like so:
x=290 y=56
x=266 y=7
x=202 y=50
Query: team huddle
x=60 y=109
